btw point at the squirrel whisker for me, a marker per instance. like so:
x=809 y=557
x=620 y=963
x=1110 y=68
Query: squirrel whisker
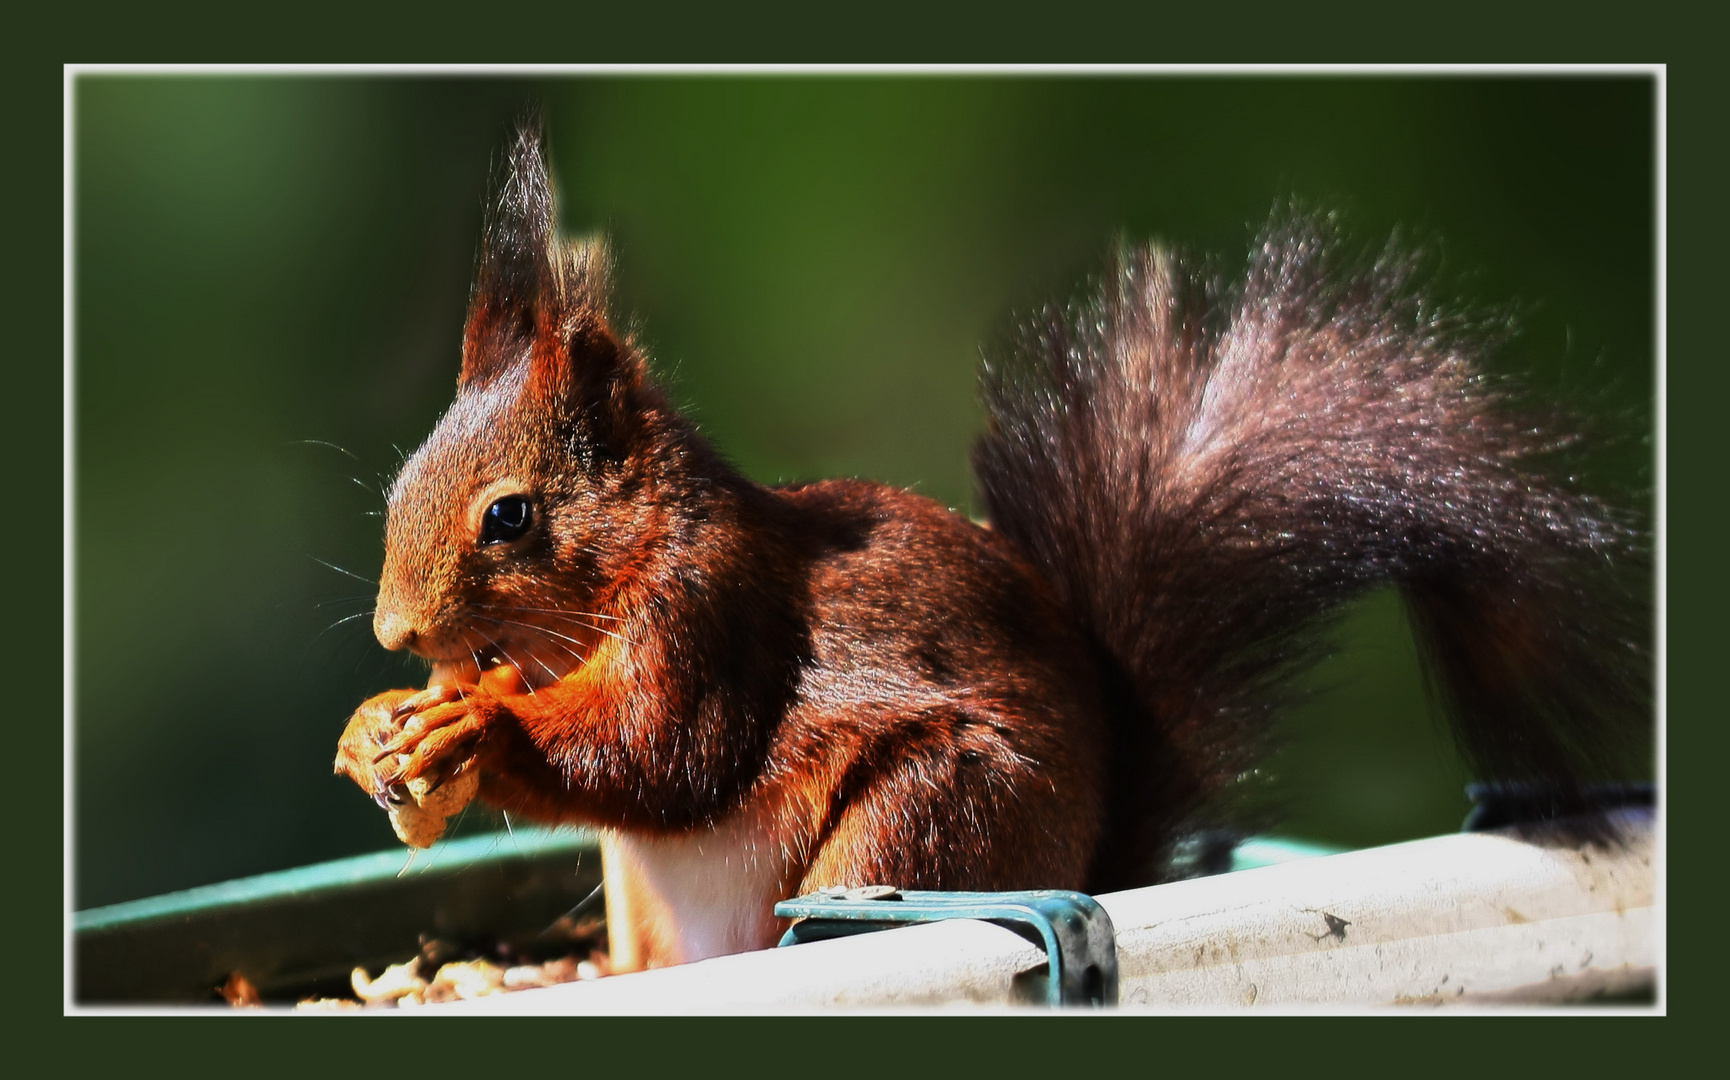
x=541 y=630
x=340 y=570
x=550 y=611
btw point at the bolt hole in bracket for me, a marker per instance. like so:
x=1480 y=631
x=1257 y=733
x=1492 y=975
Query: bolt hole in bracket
x=1076 y=933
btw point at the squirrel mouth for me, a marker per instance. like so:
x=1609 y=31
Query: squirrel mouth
x=468 y=669
x=489 y=660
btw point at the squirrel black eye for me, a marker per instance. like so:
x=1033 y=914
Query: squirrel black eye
x=506 y=520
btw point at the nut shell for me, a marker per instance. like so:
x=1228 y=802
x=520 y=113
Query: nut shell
x=421 y=821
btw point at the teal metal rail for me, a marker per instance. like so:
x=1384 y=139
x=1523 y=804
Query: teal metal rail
x=302 y=931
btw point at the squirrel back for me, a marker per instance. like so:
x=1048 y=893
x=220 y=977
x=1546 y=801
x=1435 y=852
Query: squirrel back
x=758 y=691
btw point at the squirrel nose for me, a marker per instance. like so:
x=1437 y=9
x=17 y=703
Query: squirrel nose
x=392 y=629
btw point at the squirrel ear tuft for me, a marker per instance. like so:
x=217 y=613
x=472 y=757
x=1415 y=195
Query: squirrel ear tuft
x=516 y=285
x=541 y=301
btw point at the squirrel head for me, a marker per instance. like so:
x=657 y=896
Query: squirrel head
x=509 y=530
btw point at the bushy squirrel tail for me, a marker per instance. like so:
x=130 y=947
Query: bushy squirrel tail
x=1206 y=471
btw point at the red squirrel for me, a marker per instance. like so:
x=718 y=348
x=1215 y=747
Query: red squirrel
x=753 y=692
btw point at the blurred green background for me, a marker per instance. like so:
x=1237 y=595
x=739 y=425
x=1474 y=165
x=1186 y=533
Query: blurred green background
x=268 y=269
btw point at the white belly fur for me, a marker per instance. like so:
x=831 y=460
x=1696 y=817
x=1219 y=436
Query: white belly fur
x=693 y=896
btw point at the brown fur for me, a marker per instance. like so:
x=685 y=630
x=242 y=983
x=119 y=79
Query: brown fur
x=868 y=688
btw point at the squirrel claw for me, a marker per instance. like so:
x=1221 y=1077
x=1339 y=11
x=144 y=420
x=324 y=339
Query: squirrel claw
x=426 y=699
x=428 y=746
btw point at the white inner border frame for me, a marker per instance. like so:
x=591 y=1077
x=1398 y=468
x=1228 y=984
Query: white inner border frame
x=72 y=72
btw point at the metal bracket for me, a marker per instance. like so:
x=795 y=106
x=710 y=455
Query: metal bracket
x=1080 y=945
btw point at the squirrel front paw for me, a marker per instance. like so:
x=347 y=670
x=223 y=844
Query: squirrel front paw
x=415 y=751
x=435 y=742
x=439 y=728
x=384 y=749
x=373 y=725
